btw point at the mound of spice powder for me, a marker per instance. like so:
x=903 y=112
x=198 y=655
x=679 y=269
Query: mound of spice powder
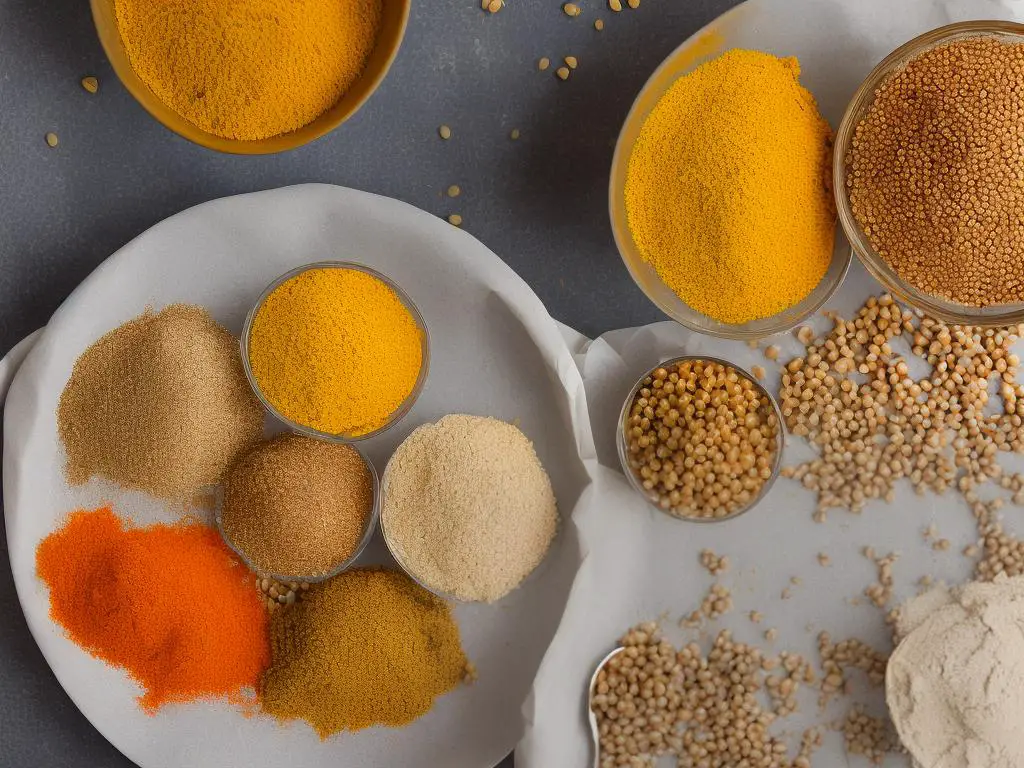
x=934 y=172
x=249 y=70
x=467 y=507
x=368 y=647
x=170 y=604
x=296 y=506
x=336 y=350
x=160 y=404
x=728 y=188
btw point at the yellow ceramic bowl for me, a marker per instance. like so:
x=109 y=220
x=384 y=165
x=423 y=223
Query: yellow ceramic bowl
x=395 y=18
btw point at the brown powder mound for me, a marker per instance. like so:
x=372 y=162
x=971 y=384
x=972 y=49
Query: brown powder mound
x=159 y=404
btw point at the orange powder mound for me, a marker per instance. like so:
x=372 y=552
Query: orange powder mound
x=170 y=604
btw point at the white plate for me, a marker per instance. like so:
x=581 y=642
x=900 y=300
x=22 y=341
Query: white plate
x=495 y=351
x=642 y=565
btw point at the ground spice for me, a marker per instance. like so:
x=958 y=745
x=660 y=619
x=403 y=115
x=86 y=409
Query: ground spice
x=296 y=506
x=249 y=70
x=727 y=192
x=467 y=507
x=335 y=349
x=160 y=404
x=933 y=172
x=126 y=596
x=368 y=647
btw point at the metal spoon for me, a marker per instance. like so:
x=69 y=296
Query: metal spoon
x=590 y=705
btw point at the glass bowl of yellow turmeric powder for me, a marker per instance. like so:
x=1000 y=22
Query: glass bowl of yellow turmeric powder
x=336 y=350
x=720 y=193
x=255 y=77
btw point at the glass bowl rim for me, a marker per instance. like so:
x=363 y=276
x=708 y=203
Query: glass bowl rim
x=622 y=448
x=399 y=413
x=940 y=308
x=372 y=521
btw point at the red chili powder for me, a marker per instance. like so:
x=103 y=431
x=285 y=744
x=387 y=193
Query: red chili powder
x=169 y=603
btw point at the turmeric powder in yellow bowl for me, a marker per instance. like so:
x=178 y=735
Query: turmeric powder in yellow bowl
x=728 y=189
x=336 y=350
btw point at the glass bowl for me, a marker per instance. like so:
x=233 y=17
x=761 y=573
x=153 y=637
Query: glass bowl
x=372 y=520
x=393 y=24
x=406 y=405
x=684 y=59
x=937 y=307
x=623 y=447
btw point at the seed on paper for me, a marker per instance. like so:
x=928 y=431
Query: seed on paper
x=90 y=84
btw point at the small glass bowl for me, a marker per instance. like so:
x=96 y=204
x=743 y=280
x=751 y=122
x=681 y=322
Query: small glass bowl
x=684 y=59
x=406 y=405
x=623 y=446
x=942 y=309
x=372 y=520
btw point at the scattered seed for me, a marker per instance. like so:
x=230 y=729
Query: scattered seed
x=543 y=63
x=444 y=132
x=771 y=634
x=824 y=560
x=941 y=545
x=455 y=220
x=714 y=564
x=90 y=84
x=756 y=616
x=772 y=352
x=759 y=372
x=571 y=9
x=495 y=5
x=52 y=140
x=971 y=550
x=454 y=190
x=805 y=334
x=572 y=62
x=563 y=73
x=615 y=5
x=599 y=24
x=633 y=3
x=515 y=134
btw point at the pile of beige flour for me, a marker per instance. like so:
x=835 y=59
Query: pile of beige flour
x=955 y=683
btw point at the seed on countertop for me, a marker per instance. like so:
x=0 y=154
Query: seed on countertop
x=572 y=61
x=455 y=220
x=772 y=352
x=52 y=140
x=971 y=550
x=563 y=73
x=771 y=634
x=633 y=3
x=444 y=132
x=824 y=560
x=599 y=24
x=756 y=616
x=571 y=9
x=515 y=134
x=615 y=5
x=543 y=63
x=758 y=371
x=494 y=6
x=941 y=545
x=90 y=84
x=454 y=190
x=805 y=334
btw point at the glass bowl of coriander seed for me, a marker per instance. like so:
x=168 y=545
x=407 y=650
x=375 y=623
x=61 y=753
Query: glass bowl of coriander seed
x=925 y=216
x=700 y=439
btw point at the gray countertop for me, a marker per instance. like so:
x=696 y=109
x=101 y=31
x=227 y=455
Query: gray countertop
x=539 y=202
